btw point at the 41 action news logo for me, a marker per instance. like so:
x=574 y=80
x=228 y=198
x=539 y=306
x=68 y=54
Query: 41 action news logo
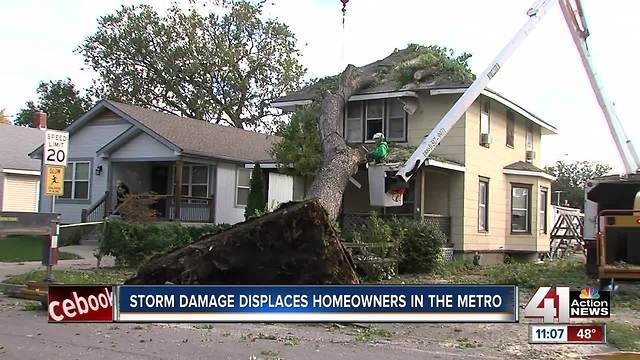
x=561 y=305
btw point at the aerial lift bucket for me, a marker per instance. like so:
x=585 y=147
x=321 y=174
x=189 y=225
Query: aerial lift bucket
x=383 y=189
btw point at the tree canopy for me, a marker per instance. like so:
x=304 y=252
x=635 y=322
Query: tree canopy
x=223 y=67
x=60 y=100
x=571 y=179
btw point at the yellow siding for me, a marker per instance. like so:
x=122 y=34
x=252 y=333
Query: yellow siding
x=20 y=193
x=489 y=162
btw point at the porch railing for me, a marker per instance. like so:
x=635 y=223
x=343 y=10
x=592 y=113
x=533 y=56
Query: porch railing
x=190 y=209
x=442 y=222
x=97 y=211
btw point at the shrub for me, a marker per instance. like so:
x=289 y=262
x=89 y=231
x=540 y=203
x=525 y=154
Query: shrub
x=130 y=244
x=420 y=247
x=257 y=202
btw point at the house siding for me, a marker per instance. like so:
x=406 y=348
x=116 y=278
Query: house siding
x=83 y=145
x=142 y=148
x=498 y=236
x=226 y=210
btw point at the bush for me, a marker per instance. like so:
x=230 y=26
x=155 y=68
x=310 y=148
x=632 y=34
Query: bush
x=420 y=247
x=130 y=244
x=257 y=202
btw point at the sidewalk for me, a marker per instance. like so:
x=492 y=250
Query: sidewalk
x=88 y=261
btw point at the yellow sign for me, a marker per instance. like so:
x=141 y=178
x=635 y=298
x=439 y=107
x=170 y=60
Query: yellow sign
x=54 y=181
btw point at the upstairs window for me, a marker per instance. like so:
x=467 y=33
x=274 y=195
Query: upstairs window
x=374 y=118
x=511 y=125
x=353 y=122
x=484 y=123
x=529 y=140
x=363 y=119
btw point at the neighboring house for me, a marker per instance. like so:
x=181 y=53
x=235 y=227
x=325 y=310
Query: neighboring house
x=483 y=184
x=194 y=169
x=19 y=174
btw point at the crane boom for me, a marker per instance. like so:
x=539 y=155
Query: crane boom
x=431 y=140
x=579 y=32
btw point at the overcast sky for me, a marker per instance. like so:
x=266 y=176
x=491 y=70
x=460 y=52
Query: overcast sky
x=545 y=74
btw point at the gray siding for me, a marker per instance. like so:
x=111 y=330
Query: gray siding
x=142 y=147
x=83 y=145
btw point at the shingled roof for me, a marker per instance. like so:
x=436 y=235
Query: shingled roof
x=15 y=144
x=523 y=166
x=197 y=137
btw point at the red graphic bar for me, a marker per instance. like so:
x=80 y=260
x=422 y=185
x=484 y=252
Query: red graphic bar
x=80 y=303
x=586 y=333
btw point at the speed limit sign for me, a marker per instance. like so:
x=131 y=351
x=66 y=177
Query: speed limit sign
x=56 y=148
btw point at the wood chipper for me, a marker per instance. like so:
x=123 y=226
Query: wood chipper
x=612 y=228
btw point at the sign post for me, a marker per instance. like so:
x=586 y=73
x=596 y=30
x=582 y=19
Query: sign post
x=55 y=154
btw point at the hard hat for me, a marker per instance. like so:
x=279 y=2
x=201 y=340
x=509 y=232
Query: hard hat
x=377 y=136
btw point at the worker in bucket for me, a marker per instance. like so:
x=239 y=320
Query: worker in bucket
x=379 y=153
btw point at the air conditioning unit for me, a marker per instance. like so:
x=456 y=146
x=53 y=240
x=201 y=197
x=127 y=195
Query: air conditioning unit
x=485 y=139
x=531 y=155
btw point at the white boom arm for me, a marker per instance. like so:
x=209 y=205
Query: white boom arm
x=431 y=140
x=535 y=13
x=577 y=24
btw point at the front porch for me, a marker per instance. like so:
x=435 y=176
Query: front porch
x=434 y=195
x=180 y=190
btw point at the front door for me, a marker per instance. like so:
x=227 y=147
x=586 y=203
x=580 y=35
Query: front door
x=160 y=186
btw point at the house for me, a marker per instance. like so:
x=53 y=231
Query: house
x=19 y=174
x=194 y=170
x=483 y=184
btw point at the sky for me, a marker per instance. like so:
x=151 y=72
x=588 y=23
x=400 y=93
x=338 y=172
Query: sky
x=545 y=75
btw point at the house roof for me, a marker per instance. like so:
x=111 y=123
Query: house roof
x=184 y=135
x=15 y=144
x=389 y=86
x=523 y=166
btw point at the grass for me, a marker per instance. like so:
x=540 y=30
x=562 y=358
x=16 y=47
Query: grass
x=625 y=337
x=100 y=276
x=19 y=248
x=372 y=333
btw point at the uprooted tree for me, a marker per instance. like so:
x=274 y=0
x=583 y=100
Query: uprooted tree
x=298 y=244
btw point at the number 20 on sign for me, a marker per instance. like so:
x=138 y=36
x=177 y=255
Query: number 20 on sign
x=56 y=148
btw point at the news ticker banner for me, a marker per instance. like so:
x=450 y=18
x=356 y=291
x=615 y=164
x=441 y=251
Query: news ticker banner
x=567 y=334
x=330 y=303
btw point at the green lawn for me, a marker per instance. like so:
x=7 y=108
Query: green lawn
x=26 y=248
x=100 y=276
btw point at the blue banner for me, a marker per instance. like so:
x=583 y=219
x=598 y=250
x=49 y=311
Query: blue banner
x=318 y=303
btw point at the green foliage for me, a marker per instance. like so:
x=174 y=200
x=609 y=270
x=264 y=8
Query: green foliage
x=571 y=178
x=98 y=276
x=60 y=100
x=130 y=244
x=72 y=238
x=19 y=248
x=533 y=275
x=257 y=202
x=300 y=145
x=420 y=247
x=196 y=61
x=439 y=60
x=624 y=336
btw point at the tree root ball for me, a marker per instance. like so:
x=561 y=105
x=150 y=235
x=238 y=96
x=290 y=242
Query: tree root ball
x=294 y=245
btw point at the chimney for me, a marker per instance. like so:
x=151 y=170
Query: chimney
x=40 y=120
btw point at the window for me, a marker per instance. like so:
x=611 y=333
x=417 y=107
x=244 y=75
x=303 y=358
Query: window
x=511 y=125
x=76 y=180
x=484 y=122
x=520 y=208
x=529 y=140
x=365 y=118
x=483 y=205
x=353 y=123
x=374 y=118
x=195 y=181
x=395 y=120
x=542 y=220
x=243 y=177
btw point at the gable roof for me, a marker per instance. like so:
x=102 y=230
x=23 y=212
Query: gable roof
x=388 y=87
x=186 y=136
x=526 y=169
x=524 y=166
x=15 y=144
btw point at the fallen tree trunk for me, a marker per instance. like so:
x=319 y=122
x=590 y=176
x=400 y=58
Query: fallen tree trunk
x=296 y=244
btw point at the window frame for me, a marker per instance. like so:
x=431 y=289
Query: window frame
x=528 y=136
x=71 y=166
x=363 y=122
x=488 y=113
x=387 y=115
x=238 y=186
x=366 y=118
x=483 y=181
x=543 y=208
x=511 y=125
x=527 y=231
x=190 y=183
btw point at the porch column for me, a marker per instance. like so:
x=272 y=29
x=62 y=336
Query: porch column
x=419 y=202
x=178 y=190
